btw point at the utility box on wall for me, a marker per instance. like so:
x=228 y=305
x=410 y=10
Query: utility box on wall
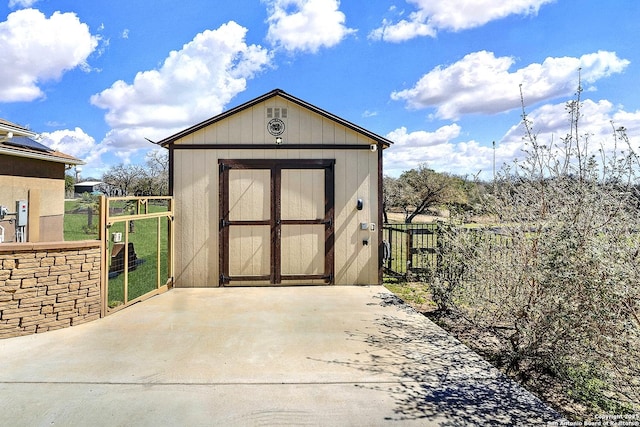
x=22 y=213
x=274 y=192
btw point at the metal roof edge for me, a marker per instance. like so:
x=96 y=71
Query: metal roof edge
x=276 y=92
x=7 y=126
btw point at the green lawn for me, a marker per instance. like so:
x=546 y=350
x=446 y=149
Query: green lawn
x=75 y=224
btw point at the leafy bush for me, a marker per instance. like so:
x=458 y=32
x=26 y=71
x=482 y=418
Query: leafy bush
x=560 y=284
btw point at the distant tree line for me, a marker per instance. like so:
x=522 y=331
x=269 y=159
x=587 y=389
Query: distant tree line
x=151 y=179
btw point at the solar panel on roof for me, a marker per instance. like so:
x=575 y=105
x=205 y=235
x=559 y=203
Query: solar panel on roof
x=24 y=142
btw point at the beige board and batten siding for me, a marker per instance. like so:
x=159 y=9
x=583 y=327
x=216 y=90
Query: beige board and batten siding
x=303 y=197
x=249 y=249
x=196 y=186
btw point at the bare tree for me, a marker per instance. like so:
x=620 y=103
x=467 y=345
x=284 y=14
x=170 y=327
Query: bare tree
x=158 y=171
x=124 y=178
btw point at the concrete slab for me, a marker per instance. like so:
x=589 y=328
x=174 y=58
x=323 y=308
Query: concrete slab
x=258 y=356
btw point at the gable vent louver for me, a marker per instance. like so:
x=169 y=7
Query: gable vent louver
x=276 y=113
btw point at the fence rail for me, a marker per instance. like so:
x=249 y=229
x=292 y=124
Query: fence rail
x=409 y=248
x=414 y=249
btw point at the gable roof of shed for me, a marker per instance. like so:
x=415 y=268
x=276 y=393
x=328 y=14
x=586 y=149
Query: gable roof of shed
x=276 y=92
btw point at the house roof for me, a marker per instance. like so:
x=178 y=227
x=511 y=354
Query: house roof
x=50 y=156
x=6 y=126
x=17 y=141
x=276 y=92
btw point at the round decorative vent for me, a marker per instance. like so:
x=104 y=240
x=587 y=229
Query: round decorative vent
x=275 y=127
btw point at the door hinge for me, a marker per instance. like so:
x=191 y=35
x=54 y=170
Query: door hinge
x=223 y=223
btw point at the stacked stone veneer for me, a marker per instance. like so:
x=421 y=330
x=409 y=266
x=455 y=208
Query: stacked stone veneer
x=46 y=286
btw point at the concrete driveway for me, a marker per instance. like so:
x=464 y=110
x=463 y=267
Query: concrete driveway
x=257 y=356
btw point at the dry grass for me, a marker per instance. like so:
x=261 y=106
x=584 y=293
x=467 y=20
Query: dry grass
x=398 y=217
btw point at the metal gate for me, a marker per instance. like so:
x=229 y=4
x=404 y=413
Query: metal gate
x=409 y=248
x=137 y=241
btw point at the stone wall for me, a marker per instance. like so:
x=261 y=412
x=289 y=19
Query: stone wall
x=47 y=286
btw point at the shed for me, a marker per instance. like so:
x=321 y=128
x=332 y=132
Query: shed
x=276 y=191
x=89 y=187
x=34 y=173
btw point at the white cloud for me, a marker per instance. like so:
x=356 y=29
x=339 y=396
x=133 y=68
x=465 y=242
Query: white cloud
x=192 y=84
x=437 y=149
x=74 y=142
x=442 y=151
x=482 y=83
x=403 y=30
x=127 y=142
x=36 y=49
x=22 y=3
x=306 y=25
x=597 y=121
x=432 y=16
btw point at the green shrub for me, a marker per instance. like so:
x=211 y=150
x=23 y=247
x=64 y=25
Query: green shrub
x=559 y=284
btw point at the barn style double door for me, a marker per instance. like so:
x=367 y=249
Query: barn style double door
x=276 y=222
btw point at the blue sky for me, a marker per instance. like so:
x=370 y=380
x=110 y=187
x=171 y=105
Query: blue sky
x=440 y=78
